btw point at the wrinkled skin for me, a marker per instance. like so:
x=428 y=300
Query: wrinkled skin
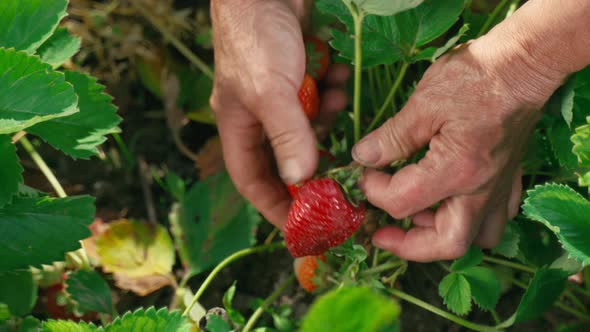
x=475 y=108
x=260 y=63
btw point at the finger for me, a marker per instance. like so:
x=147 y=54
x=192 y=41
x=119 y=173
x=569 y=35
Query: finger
x=289 y=132
x=454 y=225
x=397 y=139
x=491 y=230
x=244 y=144
x=414 y=188
x=337 y=75
x=333 y=100
x=423 y=218
x=515 y=195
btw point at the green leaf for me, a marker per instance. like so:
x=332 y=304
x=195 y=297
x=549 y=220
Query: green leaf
x=59 y=47
x=351 y=310
x=569 y=265
x=472 y=257
x=508 y=247
x=79 y=134
x=150 y=320
x=232 y=313
x=68 y=326
x=538 y=245
x=211 y=222
x=217 y=324
x=175 y=185
x=565 y=212
x=90 y=291
x=135 y=249
x=30 y=22
x=11 y=170
x=386 y=39
x=35 y=231
x=567 y=94
x=31 y=92
x=581 y=149
x=485 y=286
x=543 y=290
x=385 y=7
x=18 y=291
x=559 y=134
x=456 y=293
x=433 y=53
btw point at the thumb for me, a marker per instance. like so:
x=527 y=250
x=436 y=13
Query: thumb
x=397 y=139
x=290 y=134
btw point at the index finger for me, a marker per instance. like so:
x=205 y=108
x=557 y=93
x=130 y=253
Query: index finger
x=250 y=164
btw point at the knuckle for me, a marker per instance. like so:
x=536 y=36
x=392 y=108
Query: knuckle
x=285 y=137
x=455 y=249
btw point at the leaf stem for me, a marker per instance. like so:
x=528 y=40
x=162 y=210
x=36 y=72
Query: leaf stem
x=492 y=18
x=192 y=57
x=358 y=17
x=38 y=160
x=580 y=289
x=228 y=260
x=509 y=264
x=398 y=80
x=440 y=312
x=267 y=302
x=382 y=267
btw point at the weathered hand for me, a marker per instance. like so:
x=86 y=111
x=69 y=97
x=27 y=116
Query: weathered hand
x=259 y=66
x=476 y=116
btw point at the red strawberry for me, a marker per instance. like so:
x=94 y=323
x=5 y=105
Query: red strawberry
x=305 y=270
x=54 y=298
x=293 y=190
x=309 y=97
x=317 y=57
x=320 y=218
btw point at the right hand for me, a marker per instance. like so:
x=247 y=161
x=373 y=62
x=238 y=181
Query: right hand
x=259 y=66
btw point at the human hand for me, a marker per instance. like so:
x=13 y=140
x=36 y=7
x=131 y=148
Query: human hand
x=259 y=66
x=475 y=108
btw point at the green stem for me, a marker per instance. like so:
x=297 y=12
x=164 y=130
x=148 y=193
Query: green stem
x=375 y=257
x=388 y=77
x=570 y=295
x=230 y=259
x=383 y=267
x=509 y=264
x=440 y=312
x=579 y=289
x=578 y=314
x=192 y=57
x=24 y=141
x=492 y=18
x=372 y=87
x=398 y=80
x=358 y=59
x=267 y=302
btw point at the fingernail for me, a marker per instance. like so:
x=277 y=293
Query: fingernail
x=367 y=151
x=291 y=171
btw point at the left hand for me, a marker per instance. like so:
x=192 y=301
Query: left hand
x=476 y=116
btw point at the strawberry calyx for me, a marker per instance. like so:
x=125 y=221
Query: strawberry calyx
x=348 y=178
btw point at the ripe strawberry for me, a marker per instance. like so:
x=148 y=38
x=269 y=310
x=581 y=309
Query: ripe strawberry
x=309 y=97
x=320 y=218
x=317 y=57
x=293 y=190
x=305 y=270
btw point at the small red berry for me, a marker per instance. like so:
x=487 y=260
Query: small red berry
x=317 y=57
x=309 y=97
x=305 y=270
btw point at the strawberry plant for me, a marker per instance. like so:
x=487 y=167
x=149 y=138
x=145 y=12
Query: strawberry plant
x=64 y=269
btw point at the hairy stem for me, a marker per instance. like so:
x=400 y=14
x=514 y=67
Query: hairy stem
x=383 y=267
x=398 y=81
x=358 y=58
x=24 y=141
x=267 y=302
x=183 y=49
x=230 y=259
x=455 y=319
x=509 y=264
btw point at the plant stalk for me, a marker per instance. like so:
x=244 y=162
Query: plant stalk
x=486 y=26
x=230 y=259
x=398 y=81
x=440 y=312
x=382 y=268
x=267 y=302
x=358 y=17
x=38 y=160
x=509 y=264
